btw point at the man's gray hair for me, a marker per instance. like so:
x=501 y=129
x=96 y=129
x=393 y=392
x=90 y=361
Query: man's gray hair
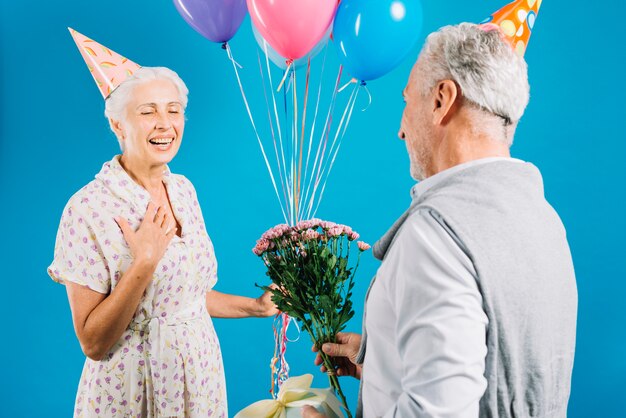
x=491 y=75
x=115 y=105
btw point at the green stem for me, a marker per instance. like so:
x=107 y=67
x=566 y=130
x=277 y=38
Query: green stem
x=326 y=359
x=334 y=380
x=358 y=260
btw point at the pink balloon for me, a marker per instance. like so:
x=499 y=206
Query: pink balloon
x=292 y=27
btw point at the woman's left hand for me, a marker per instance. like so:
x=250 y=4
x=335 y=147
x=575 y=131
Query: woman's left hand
x=265 y=305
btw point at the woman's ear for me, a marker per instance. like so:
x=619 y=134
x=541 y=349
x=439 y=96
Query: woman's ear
x=117 y=127
x=446 y=96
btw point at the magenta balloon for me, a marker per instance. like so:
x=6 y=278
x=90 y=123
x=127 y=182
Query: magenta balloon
x=216 y=20
x=292 y=27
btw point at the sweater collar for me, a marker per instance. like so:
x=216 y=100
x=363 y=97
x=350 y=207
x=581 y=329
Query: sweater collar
x=420 y=188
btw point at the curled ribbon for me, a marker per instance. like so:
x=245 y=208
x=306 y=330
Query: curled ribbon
x=295 y=392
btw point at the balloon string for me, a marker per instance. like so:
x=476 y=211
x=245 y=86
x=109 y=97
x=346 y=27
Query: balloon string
x=295 y=144
x=269 y=116
x=352 y=81
x=343 y=123
x=284 y=370
x=369 y=96
x=328 y=131
x=323 y=142
x=273 y=369
x=226 y=47
x=297 y=336
x=287 y=70
x=279 y=366
x=304 y=106
x=349 y=105
x=321 y=148
x=279 y=129
x=289 y=84
x=311 y=136
x=324 y=163
x=256 y=132
x=290 y=179
x=290 y=172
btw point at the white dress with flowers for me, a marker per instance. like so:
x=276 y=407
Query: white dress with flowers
x=168 y=361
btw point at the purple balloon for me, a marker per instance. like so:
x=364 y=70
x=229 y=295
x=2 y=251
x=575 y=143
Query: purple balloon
x=216 y=20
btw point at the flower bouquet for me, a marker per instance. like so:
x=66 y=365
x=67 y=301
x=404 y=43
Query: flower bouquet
x=309 y=264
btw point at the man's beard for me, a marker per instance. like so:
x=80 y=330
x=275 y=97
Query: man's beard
x=418 y=158
x=417 y=172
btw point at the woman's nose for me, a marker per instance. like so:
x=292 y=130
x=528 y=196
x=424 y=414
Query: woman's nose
x=162 y=121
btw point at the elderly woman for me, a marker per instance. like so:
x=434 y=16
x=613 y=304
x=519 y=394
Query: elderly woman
x=139 y=268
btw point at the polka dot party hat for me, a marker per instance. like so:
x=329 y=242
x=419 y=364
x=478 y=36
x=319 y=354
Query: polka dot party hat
x=108 y=68
x=515 y=21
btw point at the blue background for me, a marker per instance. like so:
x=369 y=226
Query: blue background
x=54 y=138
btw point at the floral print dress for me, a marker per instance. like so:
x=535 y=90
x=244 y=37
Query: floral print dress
x=168 y=361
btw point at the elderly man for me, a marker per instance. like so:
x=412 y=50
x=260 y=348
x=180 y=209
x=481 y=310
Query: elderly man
x=473 y=310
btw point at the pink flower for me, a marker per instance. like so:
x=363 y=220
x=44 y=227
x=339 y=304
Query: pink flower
x=310 y=234
x=335 y=231
x=261 y=246
x=353 y=235
x=276 y=232
x=327 y=225
x=363 y=246
x=282 y=229
x=269 y=234
x=304 y=225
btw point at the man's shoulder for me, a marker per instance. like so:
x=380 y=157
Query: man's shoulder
x=484 y=185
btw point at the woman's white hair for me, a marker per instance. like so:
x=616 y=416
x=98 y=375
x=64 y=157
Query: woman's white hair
x=491 y=75
x=115 y=105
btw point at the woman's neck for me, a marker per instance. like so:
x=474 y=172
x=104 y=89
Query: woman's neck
x=148 y=177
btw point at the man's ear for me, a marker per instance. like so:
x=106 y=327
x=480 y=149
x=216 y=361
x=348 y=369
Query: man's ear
x=117 y=127
x=446 y=100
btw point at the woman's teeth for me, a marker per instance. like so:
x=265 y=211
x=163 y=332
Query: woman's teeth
x=161 y=141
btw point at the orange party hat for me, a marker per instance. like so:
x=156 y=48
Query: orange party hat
x=108 y=68
x=515 y=21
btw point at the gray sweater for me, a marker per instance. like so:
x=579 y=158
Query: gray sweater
x=498 y=215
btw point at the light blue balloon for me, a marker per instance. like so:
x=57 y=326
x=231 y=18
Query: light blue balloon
x=373 y=36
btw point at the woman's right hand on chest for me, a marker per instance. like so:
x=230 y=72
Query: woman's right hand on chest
x=149 y=242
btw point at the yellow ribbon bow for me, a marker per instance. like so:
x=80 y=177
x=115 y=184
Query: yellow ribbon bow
x=295 y=392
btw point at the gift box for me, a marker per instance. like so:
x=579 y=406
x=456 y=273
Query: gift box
x=295 y=393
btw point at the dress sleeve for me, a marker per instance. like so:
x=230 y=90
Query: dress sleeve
x=78 y=257
x=211 y=261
